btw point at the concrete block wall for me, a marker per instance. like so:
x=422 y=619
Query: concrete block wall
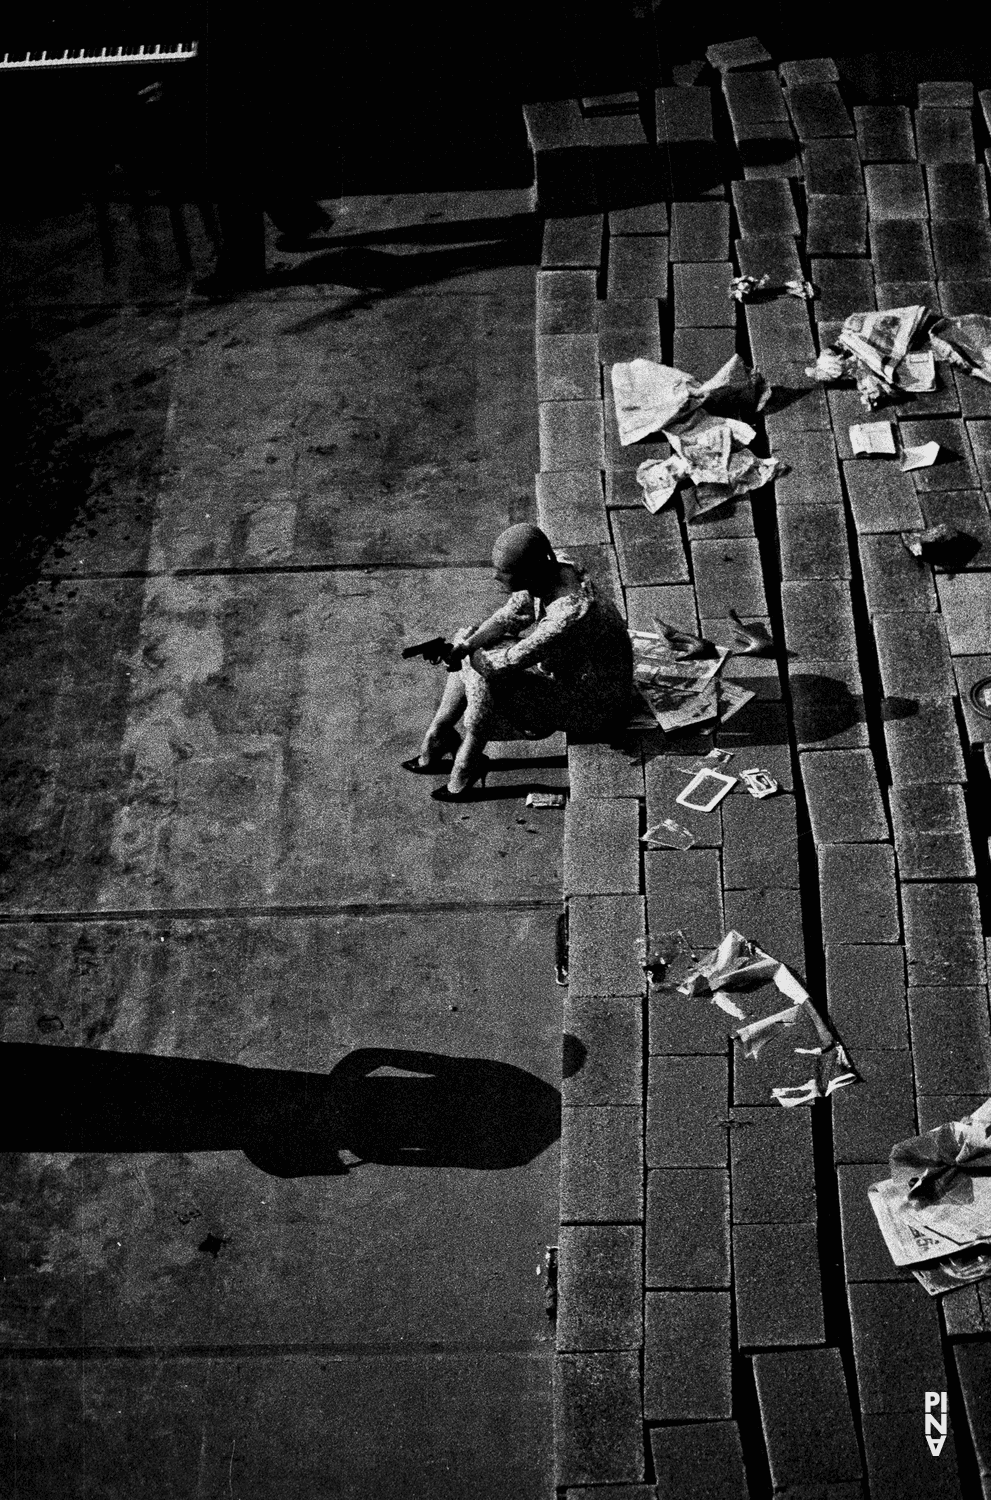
x=758 y=1283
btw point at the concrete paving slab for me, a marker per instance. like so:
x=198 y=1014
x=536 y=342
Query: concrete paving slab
x=900 y=250
x=956 y=297
x=571 y=507
x=701 y=295
x=865 y=1255
x=906 y=293
x=818 y=618
x=961 y=249
x=773 y=1172
x=646 y=218
x=598 y=1418
x=957 y=190
x=882 y=498
x=813 y=542
x=858 y=891
x=944 y=134
x=684 y=892
x=673 y=603
x=568 y=367
x=870 y=1116
x=572 y=243
x=290 y=998
x=765 y=208
x=865 y=993
x=965 y=601
x=895 y=191
x=896 y=1345
x=932 y=837
x=259 y=1423
x=602 y=1162
x=773 y=920
x=603 y=1051
x=832 y=165
x=697 y=1200
x=760 y=842
x=603 y=936
x=913 y=655
x=600 y=1287
x=691 y=1457
x=884 y=132
x=776 y=1285
x=893 y=579
x=845 y=804
x=601 y=851
x=845 y=286
x=753 y=98
x=805 y=1414
x=827 y=704
x=896 y=1453
x=837 y=225
x=951 y=1039
x=924 y=745
x=649 y=547
x=683 y=114
x=968 y=512
x=774 y=255
x=638 y=267
x=687 y=1105
x=687 y=1356
x=699 y=231
x=565 y=301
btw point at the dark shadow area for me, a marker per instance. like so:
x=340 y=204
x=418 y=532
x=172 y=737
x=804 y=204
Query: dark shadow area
x=898 y=708
x=573 y=1055
x=48 y=457
x=822 y=706
x=783 y=396
x=368 y=269
x=765 y=153
x=440 y=232
x=388 y=1105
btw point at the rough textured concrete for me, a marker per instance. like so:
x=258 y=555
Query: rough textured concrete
x=865 y=994
x=805 y=1413
x=687 y=1356
x=772 y=1167
x=777 y=1299
x=600 y=1287
x=699 y=1458
x=698 y=1255
x=597 y=1406
x=209 y=752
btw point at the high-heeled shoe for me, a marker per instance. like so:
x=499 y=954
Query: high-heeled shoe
x=468 y=793
x=438 y=765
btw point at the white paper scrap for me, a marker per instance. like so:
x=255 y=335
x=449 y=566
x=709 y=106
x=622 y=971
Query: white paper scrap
x=872 y=437
x=919 y=458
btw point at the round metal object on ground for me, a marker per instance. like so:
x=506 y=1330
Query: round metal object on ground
x=980 y=696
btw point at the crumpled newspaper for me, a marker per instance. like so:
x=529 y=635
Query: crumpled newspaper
x=936 y=1204
x=964 y=342
x=711 y=453
x=875 y=350
x=740 y=965
x=742 y=287
x=651 y=398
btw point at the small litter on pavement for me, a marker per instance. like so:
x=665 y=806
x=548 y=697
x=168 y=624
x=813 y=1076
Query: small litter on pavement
x=665 y=949
x=872 y=437
x=964 y=342
x=759 y=784
x=762 y=289
x=738 y=968
x=743 y=287
x=706 y=790
x=545 y=799
x=930 y=545
x=936 y=1205
x=668 y=835
x=922 y=457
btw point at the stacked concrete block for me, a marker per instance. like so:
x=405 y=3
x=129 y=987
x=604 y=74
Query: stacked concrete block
x=688 y=161
x=761 y=126
x=884 y=133
x=805 y=1413
x=571 y=507
x=624 y=163
x=572 y=242
x=628 y=328
x=562 y=157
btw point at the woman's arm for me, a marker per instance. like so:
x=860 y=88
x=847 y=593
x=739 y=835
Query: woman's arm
x=515 y=615
x=545 y=635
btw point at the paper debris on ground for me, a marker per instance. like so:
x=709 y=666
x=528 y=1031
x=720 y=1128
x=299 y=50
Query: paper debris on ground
x=872 y=437
x=934 y=542
x=667 y=834
x=545 y=799
x=875 y=349
x=937 y=1201
x=706 y=790
x=742 y=287
x=751 y=640
x=793 y=1045
x=964 y=342
x=759 y=783
x=801 y=288
x=922 y=457
x=651 y=398
x=682 y=692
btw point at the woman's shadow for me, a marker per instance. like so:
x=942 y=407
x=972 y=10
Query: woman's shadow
x=379 y=1104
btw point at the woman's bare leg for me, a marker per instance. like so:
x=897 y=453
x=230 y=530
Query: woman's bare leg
x=452 y=706
x=468 y=758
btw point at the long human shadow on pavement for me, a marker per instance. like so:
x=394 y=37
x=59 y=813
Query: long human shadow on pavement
x=391 y=1105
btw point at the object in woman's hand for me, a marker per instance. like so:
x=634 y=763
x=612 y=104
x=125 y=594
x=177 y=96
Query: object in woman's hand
x=435 y=651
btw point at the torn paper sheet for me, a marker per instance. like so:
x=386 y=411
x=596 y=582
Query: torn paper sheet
x=872 y=437
x=801 y=288
x=545 y=799
x=881 y=340
x=796 y=1050
x=922 y=457
x=965 y=342
x=935 y=542
x=659 y=478
x=650 y=398
x=917 y=372
x=667 y=834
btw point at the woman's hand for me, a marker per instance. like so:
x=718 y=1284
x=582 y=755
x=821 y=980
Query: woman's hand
x=489 y=663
